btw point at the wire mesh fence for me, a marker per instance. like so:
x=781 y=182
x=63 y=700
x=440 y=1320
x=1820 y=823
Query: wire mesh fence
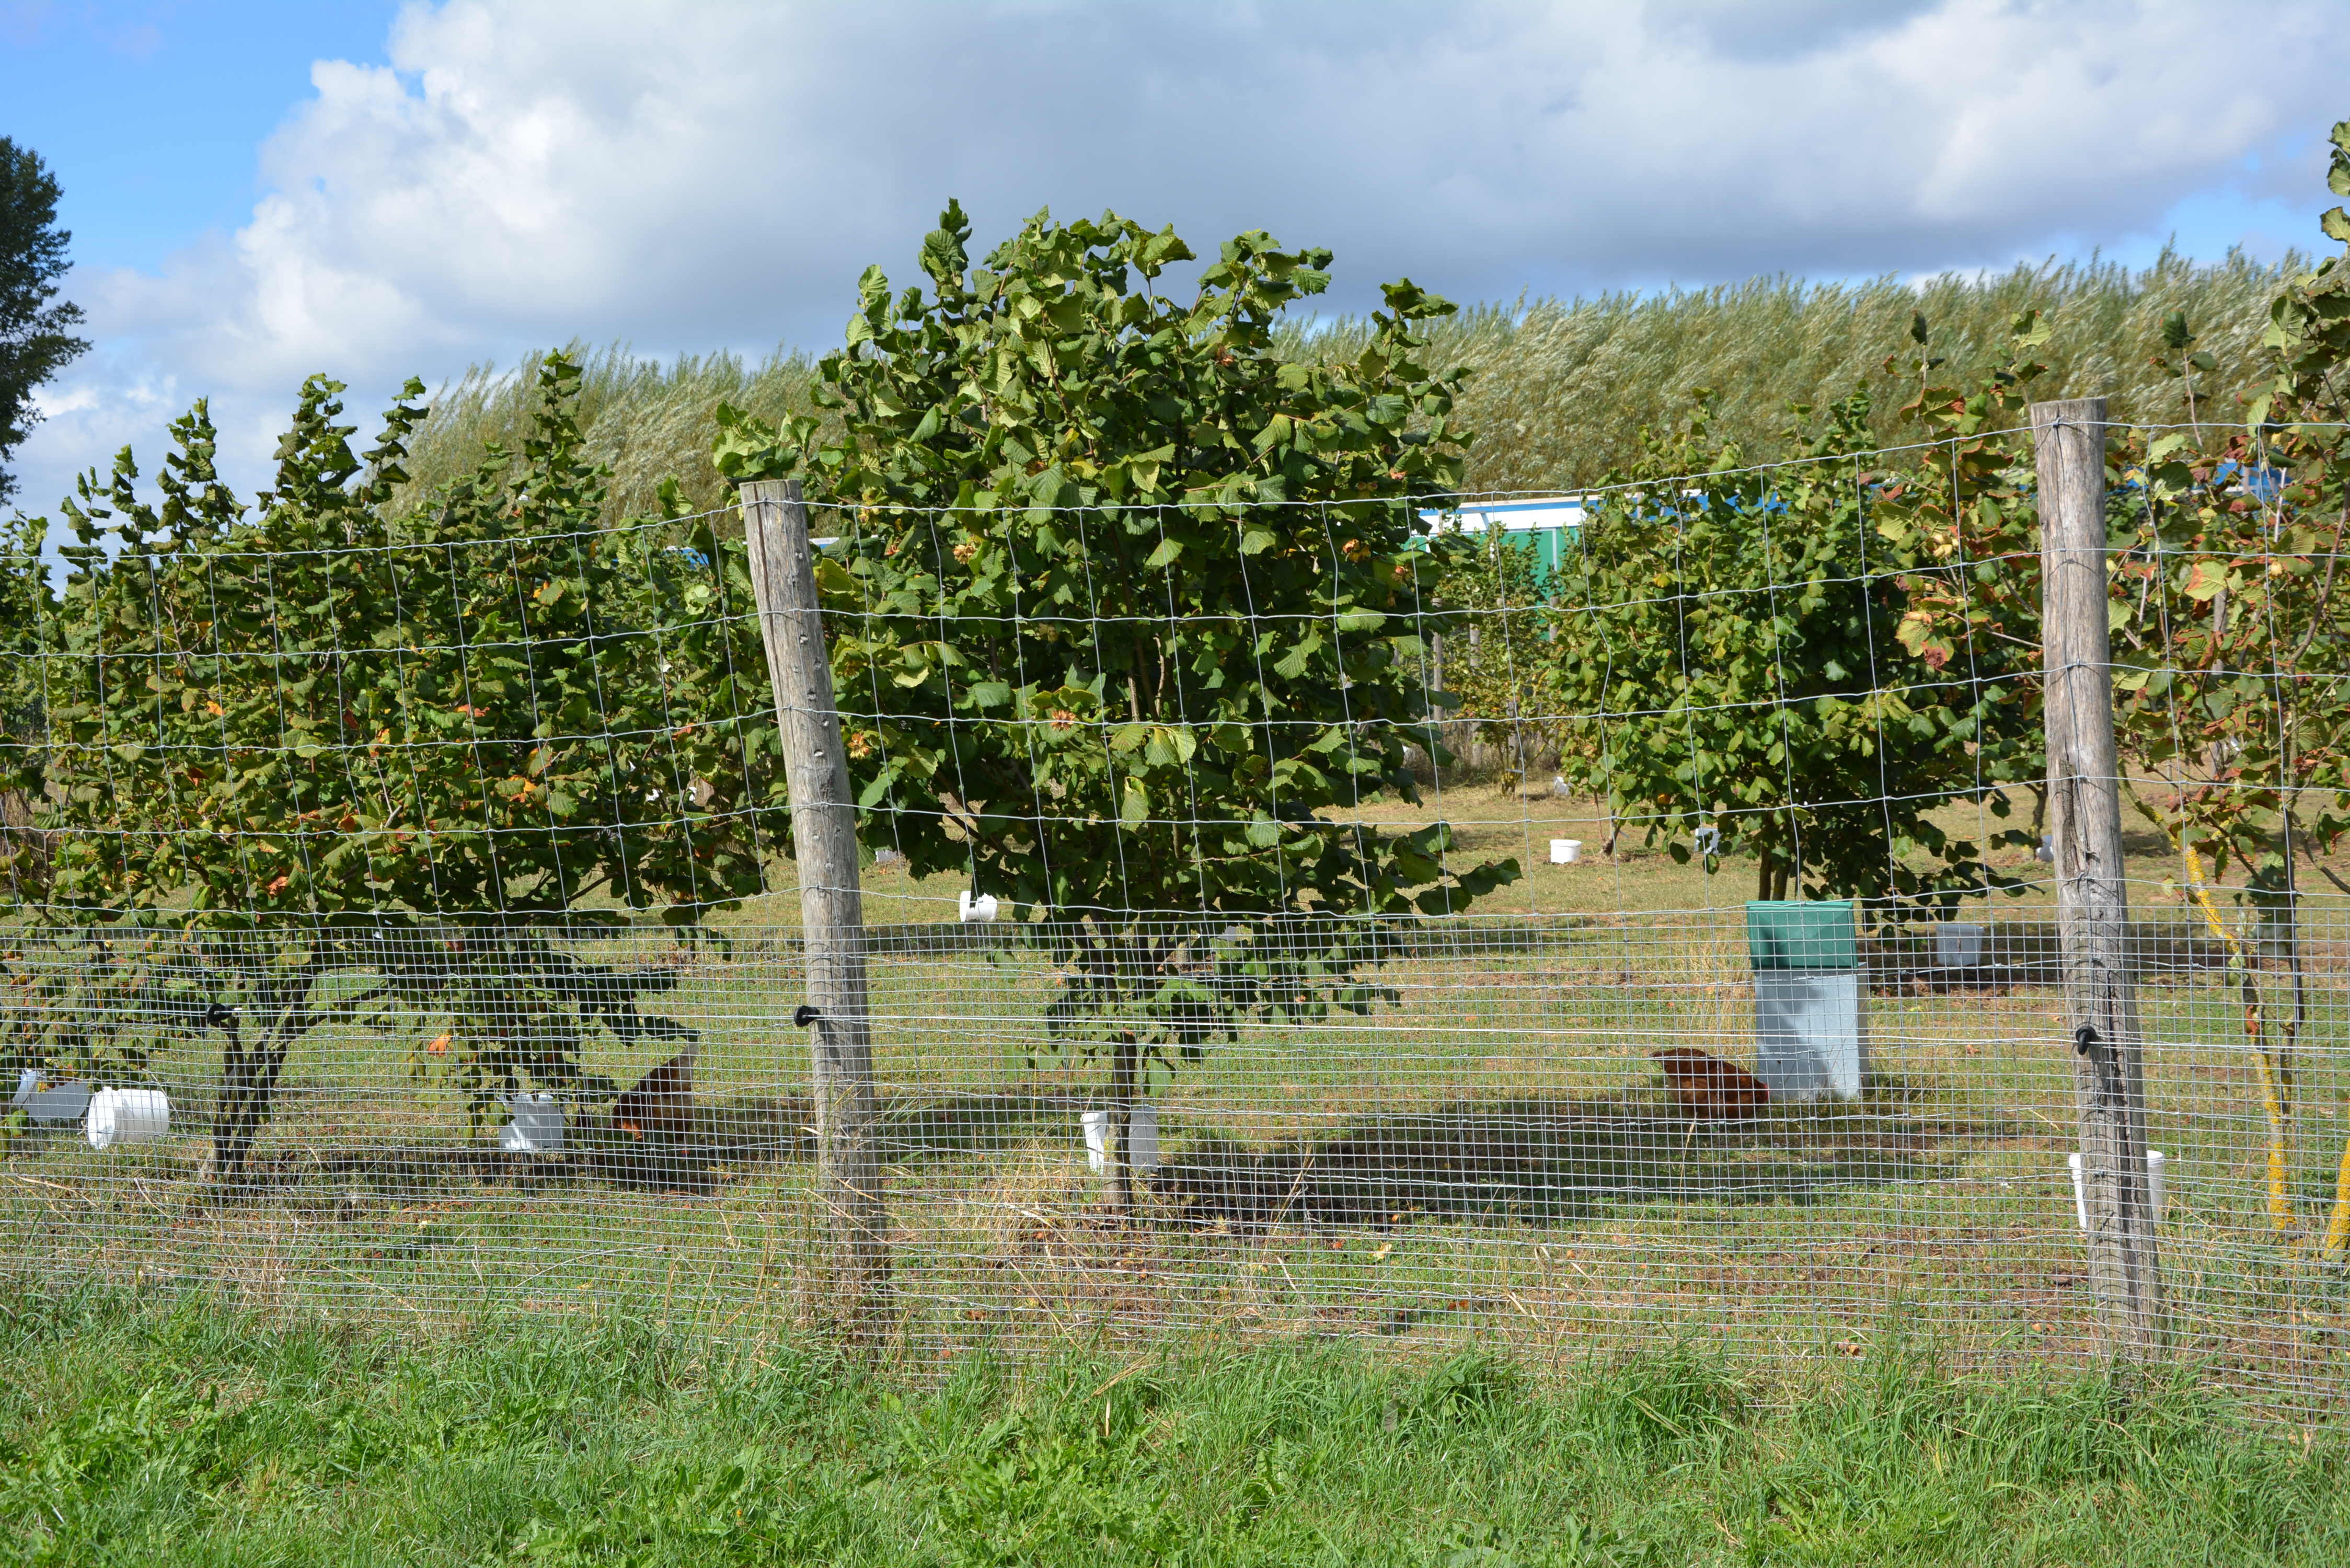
x=403 y=923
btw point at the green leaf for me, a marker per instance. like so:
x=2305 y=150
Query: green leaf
x=2204 y=579
x=1171 y=747
x=1166 y=553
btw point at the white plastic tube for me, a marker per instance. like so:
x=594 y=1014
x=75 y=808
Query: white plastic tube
x=67 y=1102
x=1566 y=851
x=1141 y=1139
x=537 y=1126
x=1959 y=944
x=2154 y=1161
x=122 y=1118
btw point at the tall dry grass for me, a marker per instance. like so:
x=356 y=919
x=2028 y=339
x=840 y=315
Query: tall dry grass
x=1564 y=387
x=644 y=420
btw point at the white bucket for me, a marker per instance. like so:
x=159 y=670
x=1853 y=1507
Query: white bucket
x=66 y=1102
x=120 y=1118
x=536 y=1127
x=2154 y=1161
x=976 y=910
x=1959 y=944
x=1566 y=851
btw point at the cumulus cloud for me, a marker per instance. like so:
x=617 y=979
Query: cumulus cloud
x=690 y=176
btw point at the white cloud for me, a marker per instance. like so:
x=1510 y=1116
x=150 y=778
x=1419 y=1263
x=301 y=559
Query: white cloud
x=692 y=175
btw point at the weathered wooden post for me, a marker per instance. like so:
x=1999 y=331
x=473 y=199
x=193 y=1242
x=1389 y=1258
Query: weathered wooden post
x=2092 y=897
x=832 y=917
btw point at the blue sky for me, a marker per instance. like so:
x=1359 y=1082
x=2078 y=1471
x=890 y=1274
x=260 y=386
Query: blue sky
x=263 y=190
x=150 y=114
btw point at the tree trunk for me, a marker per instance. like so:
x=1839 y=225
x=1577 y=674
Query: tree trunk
x=249 y=1075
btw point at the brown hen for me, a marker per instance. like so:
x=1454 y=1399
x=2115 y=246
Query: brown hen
x=662 y=1104
x=1706 y=1085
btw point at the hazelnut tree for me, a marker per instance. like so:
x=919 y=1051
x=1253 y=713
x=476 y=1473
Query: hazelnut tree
x=1125 y=617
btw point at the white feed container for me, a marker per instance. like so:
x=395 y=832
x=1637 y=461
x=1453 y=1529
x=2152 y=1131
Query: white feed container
x=67 y=1102
x=1959 y=944
x=2154 y=1161
x=537 y=1126
x=1566 y=851
x=122 y=1118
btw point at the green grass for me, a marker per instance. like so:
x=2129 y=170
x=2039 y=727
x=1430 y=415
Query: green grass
x=172 y=1432
x=1489 y=1167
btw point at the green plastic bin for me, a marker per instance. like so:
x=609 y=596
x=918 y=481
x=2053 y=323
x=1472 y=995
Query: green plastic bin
x=1800 y=933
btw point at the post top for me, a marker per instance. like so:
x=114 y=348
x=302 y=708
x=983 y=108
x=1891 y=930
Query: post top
x=2069 y=410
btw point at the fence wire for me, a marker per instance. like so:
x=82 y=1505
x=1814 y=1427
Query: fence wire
x=411 y=930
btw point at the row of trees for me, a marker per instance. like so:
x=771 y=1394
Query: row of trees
x=311 y=757
x=1129 y=611
x=1125 y=603
x=1808 y=659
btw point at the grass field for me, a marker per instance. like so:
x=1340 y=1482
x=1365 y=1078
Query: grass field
x=162 y=1431
x=1489 y=1162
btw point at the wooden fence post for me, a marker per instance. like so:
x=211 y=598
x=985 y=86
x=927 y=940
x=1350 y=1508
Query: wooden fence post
x=832 y=918
x=2092 y=897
